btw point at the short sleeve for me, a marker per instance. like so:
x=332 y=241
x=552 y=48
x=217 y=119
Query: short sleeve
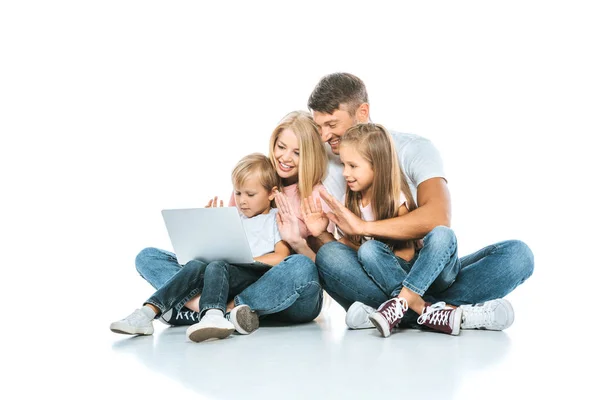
x=421 y=161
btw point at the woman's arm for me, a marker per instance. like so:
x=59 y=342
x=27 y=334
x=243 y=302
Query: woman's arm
x=289 y=229
x=282 y=250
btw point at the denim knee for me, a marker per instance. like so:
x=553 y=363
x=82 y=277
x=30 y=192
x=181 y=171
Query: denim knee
x=299 y=269
x=440 y=237
x=521 y=261
x=370 y=251
x=215 y=266
x=329 y=254
x=144 y=259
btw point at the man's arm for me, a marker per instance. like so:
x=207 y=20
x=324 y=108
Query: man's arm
x=434 y=210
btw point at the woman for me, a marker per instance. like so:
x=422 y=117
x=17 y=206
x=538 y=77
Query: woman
x=289 y=292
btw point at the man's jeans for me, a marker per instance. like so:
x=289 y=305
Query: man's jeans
x=487 y=274
x=289 y=292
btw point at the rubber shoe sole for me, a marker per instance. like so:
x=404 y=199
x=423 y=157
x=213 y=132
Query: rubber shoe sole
x=244 y=319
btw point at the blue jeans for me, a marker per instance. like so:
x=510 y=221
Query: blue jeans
x=490 y=273
x=289 y=292
x=217 y=282
x=433 y=268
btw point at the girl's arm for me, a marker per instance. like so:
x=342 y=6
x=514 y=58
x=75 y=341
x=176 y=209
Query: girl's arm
x=433 y=210
x=282 y=250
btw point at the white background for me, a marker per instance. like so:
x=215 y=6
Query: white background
x=113 y=110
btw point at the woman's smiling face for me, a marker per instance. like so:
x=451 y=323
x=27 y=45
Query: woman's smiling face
x=287 y=156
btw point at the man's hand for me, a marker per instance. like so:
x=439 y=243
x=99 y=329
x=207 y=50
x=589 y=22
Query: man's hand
x=315 y=219
x=213 y=203
x=346 y=220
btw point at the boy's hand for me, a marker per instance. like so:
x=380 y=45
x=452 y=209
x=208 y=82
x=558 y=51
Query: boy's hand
x=213 y=203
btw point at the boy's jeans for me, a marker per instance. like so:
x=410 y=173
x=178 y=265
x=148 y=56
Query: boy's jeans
x=289 y=292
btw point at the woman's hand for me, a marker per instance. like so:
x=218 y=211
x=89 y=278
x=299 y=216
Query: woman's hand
x=346 y=220
x=287 y=221
x=213 y=203
x=315 y=219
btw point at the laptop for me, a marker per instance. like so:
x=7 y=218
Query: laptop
x=208 y=234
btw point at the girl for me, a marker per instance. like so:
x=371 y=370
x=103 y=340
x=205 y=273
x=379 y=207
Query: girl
x=255 y=183
x=291 y=292
x=402 y=270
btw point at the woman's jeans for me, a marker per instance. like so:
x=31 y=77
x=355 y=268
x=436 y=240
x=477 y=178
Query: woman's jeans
x=487 y=274
x=288 y=292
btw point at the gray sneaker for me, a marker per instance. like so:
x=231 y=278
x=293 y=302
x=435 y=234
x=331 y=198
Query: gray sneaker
x=357 y=316
x=138 y=322
x=244 y=319
x=494 y=315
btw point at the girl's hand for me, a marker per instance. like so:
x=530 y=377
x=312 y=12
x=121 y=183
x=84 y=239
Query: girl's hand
x=345 y=219
x=287 y=221
x=315 y=219
x=213 y=203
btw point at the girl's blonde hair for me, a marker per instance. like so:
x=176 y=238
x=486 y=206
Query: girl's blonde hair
x=255 y=164
x=312 y=165
x=374 y=143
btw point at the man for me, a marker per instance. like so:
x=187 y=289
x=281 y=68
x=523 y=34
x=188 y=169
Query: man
x=340 y=101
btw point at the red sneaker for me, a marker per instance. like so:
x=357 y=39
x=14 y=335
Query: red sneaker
x=388 y=315
x=441 y=318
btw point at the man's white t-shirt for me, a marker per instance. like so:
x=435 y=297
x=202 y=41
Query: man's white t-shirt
x=262 y=232
x=418 y=157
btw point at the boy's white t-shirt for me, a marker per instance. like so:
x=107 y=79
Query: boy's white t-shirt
x=262 y=232
x=418 y=157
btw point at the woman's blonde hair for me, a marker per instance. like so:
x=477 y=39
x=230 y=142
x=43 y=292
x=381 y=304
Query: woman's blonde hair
x=312 y=165
x=255 y=164
x=374 y=143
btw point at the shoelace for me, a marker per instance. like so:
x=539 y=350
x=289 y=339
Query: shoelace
x=436 y=314
x=477 y=316
x=395 y=310
x=187 y=315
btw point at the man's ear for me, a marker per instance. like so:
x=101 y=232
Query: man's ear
x=274 y=191
x=362 y=113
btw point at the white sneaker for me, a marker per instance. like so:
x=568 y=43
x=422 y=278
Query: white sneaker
x=210 y=327
x=495 y=315
x=138 y=322
x=357 y=316
x=243 y=319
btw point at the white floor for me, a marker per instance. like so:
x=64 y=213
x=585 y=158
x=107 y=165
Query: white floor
x=320 y=360
x=113 y=111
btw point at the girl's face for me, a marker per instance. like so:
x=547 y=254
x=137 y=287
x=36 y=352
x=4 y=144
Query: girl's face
x=358 y=172
x=252 y=198
x=287 y=156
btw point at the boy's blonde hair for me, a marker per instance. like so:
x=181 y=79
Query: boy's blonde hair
x=312 y=165
x=374 y=143
x=252 y=164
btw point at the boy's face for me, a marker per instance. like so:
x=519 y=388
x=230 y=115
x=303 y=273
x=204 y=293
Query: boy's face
x=252 y=198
